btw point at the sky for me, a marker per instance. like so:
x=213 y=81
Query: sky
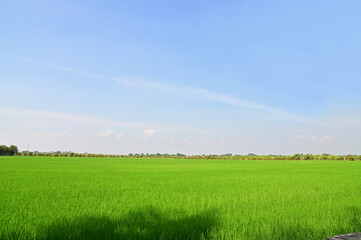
x=192 y=77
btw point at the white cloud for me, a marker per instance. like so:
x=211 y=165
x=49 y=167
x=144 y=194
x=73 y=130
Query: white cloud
x=221 y=140
x=106 y=133
x=182 y=91
x=323 y=139
x=119 y=136
x=300 y=136
x=302 y=139
x=149 y=132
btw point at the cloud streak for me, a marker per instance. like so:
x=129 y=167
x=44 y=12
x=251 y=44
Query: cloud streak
x=24 y=114
x=181 y=91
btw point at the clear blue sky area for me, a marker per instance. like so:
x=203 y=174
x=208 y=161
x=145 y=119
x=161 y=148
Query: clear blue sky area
x=269 y=77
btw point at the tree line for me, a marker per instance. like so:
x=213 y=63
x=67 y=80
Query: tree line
x=229 y=156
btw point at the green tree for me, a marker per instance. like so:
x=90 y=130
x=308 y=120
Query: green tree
x=13 y=150
x=3 y=149
x=325 y=156
x=296 y=157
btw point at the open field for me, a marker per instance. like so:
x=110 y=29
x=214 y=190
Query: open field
x=92 y=198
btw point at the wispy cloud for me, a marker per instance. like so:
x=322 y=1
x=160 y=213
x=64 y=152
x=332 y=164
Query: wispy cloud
x=77 y=71
x=106 y=133
x=324 y=139
x=330 y=139
x=23 y=114
x=119 y=136
x=62 y=133
x=300 y=136
x=53 y=134
x=182 y=91
x=149 y=132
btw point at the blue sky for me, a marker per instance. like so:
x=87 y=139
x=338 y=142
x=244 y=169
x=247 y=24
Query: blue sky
x=269 y=77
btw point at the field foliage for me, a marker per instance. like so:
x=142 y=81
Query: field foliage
x=111 y=198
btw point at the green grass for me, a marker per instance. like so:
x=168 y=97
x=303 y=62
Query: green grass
x=90 y=198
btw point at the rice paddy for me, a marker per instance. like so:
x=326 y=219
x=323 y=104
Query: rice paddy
x=110 y=198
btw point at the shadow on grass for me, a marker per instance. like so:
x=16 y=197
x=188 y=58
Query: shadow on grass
x=147 y=223
x=151 y=223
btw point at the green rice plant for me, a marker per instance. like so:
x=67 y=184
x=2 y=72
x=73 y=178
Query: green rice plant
x=124 y=198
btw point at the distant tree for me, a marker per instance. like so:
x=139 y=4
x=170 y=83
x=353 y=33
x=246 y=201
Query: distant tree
x=251 y=154
x=325 y=156
x=350 y=157
x=3 y=149
x=340 y=158
x=278 y=157
x=13 y=150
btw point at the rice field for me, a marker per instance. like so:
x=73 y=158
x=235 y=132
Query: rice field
x=107 y=198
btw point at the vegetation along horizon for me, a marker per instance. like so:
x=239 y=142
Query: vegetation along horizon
x=128 y=198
